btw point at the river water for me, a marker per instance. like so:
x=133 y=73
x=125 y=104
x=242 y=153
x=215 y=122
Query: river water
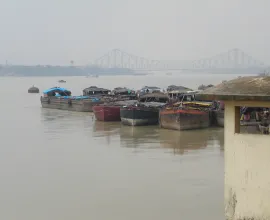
x=59 y=165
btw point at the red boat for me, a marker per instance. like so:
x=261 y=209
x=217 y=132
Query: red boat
x=110 y=111
x=107 y=113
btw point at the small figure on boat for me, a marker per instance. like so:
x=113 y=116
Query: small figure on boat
x=33 y=89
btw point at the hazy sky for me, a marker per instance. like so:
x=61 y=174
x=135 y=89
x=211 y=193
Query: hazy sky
x=57 y=31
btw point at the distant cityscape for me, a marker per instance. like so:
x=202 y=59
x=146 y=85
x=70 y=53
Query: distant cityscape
x=47 y=70
x=20 y=70
x=118 y=62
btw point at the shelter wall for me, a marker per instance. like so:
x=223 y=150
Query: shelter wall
x=247 y=164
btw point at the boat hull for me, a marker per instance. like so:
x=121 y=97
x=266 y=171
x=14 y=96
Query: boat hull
x=84 y=105
x=139 y=116
x=107 y=113
x=184 y=119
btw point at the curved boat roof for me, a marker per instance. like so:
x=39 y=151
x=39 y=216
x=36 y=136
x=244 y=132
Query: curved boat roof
x=150 y=87
x=173 y=88
x=95 y=88
x=56 y=89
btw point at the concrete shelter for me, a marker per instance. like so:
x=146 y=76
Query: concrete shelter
x=247 y=156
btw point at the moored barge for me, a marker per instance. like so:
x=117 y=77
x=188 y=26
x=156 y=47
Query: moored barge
x=60 y=98
x=145 y=112
x=185 y=115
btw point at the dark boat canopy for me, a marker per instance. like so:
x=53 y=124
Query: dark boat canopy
x=154 y=97
x=122 y=91
x=59 y=90
x=93 y=90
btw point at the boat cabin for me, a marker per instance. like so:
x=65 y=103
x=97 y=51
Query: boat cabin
x=189 y=99
x=183 y=95
x=57 y=92
x=154 y=97
x=93 y=90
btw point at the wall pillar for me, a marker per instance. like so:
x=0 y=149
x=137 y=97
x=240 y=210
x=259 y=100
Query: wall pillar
x=247 y=168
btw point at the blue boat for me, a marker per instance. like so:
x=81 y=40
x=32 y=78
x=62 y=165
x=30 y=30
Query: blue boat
x=61 y=98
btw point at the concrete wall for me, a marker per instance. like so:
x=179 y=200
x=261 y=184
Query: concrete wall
x=247 y=169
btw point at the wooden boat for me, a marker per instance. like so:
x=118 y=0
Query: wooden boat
x=60 y=98
x=185 y=115
x=33 y=89
x=145 y=112
x=61 y=81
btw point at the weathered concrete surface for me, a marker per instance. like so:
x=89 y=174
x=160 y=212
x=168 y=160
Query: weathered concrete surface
x=243 y=88
x=247 y=176
x=230 y=204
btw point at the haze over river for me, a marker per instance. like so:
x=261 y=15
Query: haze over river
x=59 y=165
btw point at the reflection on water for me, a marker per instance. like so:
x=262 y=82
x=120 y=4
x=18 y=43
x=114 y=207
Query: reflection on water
x=152 y=137
x=58 y=123
x=184 y=141
x=106 y=128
